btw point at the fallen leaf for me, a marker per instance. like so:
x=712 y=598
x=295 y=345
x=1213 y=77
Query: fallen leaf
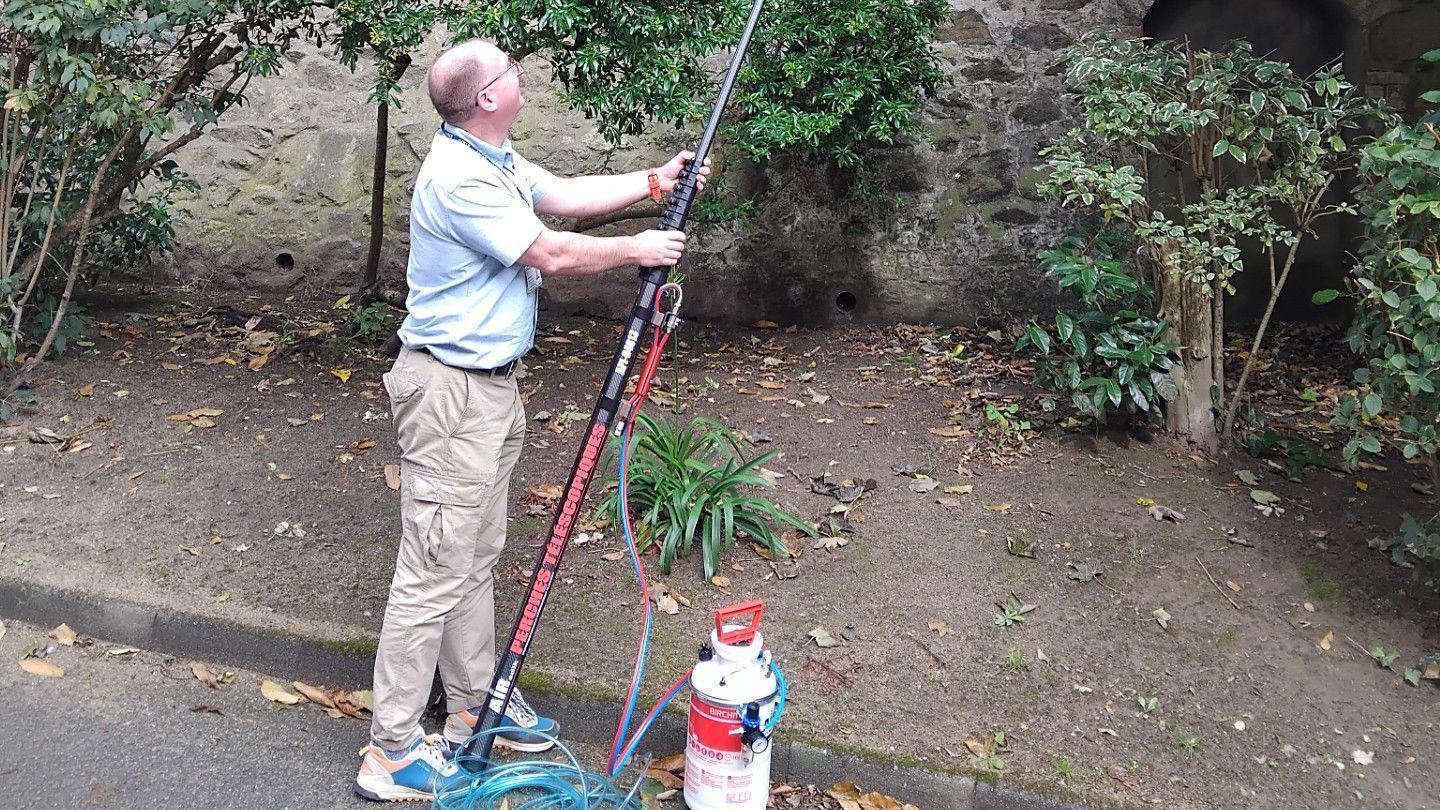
x=279 y=694
x=313 y=694
x=1083 y=571
x=612 y=556
x=342 y=374
x=1363 y=757
x=950 y=432
x=45 y=669
x=1327 y=640
x=1232 y=585
x=1248 y=478
x=547 y=492
x=664 y=599
x=822 y=637
x=205 y=675
x=770 y=385
x=998 y=507
x=86 y=390
x=119 y=651
x=923 y=485
x=63 y=634
x=392 y=476
x=831 y=543
x=941 y=628
x=1264 y=497
x=847 y=794
x=194 y=550
x=2 y=629
x=1162 y=618
x=960 y=489
x=720 y=581
x=1165 y=513
x=1124 y=777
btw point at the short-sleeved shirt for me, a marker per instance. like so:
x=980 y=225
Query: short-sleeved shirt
x=471 y=303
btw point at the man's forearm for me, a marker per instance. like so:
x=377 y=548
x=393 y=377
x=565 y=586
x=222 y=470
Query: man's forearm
x=575 y=254
x=595 y=195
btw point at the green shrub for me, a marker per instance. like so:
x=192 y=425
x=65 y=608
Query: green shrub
x=1397 y=321
x=1108 y=354
x=692 y=482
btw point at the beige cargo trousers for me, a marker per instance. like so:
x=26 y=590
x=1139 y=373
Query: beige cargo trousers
x=460 y=434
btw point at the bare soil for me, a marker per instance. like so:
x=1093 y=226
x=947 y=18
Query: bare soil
x=1263 y=692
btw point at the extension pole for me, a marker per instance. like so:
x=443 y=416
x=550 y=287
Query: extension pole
x=475 y=753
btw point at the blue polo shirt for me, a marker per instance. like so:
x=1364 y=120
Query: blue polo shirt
x=471 y=303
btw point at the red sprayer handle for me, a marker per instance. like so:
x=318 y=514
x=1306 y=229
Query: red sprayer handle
x=754 y=608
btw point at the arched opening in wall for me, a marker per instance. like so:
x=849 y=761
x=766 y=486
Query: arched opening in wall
x=1307 y=35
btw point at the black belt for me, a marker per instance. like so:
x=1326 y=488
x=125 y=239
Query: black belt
x=499 y=371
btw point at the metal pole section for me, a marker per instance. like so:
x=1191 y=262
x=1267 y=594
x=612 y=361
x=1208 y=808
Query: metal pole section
x=476 y=751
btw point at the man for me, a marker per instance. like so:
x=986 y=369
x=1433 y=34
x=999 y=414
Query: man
x=477 y=256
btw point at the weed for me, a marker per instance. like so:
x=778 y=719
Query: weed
x=1015 y=660
x=1385 y=658
x=1006 y=424
x=166 y=477
x=1189 y=743
x=160 y=572
x=1137 y=551
x=1061 y=764
x=1147 y=703
x=1229 y=638
x=373 y=323
x=1012 y=611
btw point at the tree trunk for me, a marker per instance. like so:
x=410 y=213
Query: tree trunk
x=370 y=283
x=1190 y=313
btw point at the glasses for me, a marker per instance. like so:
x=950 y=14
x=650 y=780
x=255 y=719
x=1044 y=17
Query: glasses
x=513 y=65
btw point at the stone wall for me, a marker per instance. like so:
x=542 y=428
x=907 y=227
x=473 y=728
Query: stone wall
x=285 y=181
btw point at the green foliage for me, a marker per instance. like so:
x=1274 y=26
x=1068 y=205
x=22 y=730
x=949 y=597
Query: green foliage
x=1006 y=423
x=827 y=76
x=1397 y=322
x=1012 y=612
x=1108 y=355
x=1192 y=152
x=692 y=482
x=98 y=95
x=374 y=323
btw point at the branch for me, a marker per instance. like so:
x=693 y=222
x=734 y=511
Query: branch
x=642 y=211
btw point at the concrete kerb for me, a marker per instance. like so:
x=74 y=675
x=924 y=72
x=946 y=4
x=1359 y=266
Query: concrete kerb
x=584 y=718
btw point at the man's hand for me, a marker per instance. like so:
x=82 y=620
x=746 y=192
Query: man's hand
x=658 y=248
x=670 y=172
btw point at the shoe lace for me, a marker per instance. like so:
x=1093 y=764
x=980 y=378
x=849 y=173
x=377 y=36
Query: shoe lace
x=429 y=752
x=520 y=711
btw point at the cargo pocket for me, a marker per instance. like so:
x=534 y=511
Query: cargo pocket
x=445 y=518
x=400 y=388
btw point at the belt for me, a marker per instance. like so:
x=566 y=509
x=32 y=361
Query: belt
x=499 y=371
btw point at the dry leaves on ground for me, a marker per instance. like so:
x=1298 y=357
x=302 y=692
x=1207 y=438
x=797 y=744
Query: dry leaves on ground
x=41 y=667
x=850 y=798
x=335 y=701
x=279 y=694
x=63 y=634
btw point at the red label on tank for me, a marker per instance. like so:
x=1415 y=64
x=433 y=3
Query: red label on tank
x=714 y=732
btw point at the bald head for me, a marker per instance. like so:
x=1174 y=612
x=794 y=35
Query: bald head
x=457 y=76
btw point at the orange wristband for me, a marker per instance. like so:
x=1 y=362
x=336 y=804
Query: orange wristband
x=655 y=194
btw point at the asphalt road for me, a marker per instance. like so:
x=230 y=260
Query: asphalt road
x=121 y=732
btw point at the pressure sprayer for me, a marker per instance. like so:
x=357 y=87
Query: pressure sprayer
x=475 y=782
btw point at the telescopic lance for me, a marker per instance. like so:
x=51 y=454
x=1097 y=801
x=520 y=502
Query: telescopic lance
x=475 y=753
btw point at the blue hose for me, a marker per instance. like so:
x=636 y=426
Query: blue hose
x=530 y=784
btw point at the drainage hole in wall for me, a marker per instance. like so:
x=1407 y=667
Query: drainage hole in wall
x=845 y=301
x=284 y=261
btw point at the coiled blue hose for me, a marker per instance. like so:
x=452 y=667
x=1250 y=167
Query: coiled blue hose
x=530 y=784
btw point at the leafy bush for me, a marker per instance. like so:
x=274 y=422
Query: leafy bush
x=1397 y=321
x=692 y=482
x=1109 y=355
x=98 y=95
x=1192 y=152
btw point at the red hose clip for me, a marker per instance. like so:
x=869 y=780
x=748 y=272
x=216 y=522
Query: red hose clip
x=740 y=635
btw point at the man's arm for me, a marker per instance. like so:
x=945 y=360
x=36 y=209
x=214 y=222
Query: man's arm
x=560 y=253
x=596 y=195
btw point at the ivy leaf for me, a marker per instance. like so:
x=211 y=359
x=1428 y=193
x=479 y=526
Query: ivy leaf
x=1324 y=297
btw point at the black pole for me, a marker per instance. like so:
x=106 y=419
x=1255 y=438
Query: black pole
x=475 y=753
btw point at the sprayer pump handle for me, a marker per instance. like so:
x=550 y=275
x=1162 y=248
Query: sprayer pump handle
x=754 y=608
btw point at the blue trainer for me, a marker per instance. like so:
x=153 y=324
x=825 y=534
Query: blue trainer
x=459 y=727
x=407 y=776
